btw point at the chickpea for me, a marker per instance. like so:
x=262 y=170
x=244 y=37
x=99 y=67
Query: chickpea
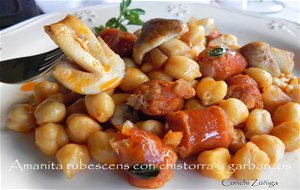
x=287 y=112
x=215 y=163
x=279 y=82
x=210 y=91
x=294 y=81
x=50 y=137
x=100 y=106
x=195 y=34
x=273 y=96
x=159 y=75
x=181 y=67
x=249 y=161
x=193 y=103
x=77 y=107
x=262 y=77
x=289 y=133
x=157 y=57
x=271 y=145
x=172 y=139
x=129 y=62
x=20 y=118
x=100 y=148
x=194 y=83
x=134 y=78
x=147 y=67
x=44 y=89
x=259 y=122
x=238 y=141
x=174 y=47
x=80 y=126
x=236 y=110
x=50 y=111
x=59 y=97
x=73 y=158
x=293 y=91
x=153 y=126
x=120 y=98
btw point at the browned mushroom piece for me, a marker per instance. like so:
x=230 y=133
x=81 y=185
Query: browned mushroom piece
x=273 y=60
x=154 y=33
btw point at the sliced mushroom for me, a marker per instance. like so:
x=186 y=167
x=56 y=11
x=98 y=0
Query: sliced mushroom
x=154 y=33
x=273 y=60
x=122 y=114
x=105 y=69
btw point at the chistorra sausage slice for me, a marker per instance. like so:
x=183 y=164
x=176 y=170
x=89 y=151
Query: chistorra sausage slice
x=202 y=129
x=221 y=66
x=157 y=97
x=245 y=89
x=137 y=147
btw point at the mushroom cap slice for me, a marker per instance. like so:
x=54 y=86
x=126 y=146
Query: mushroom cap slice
x=103 y=69
x=154 y=33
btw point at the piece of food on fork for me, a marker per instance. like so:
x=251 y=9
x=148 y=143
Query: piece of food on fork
x=104 y=69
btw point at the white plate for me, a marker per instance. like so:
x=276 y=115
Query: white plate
x=29 y=38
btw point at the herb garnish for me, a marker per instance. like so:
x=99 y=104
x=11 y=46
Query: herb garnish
x=126 y=17
x=144 y=171
x=217 y=51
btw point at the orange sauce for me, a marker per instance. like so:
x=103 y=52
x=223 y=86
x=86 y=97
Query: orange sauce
x=110 y=84
x=28 y=86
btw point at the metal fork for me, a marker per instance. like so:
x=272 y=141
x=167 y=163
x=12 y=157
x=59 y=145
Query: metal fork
x=24 y=69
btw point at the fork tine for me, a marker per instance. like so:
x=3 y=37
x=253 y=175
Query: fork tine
x=51 y=62
x=50 y=59
x=52 y=53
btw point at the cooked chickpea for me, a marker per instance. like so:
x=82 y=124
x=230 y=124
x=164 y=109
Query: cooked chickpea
x=153 y=126
x=289 y=133
x=273 y=96
x=77 y=107
x=80 y=126
x=271 y=145
x=129 y=62
x=259 y=122
x=100 y=106
x=238 y=141
x=50 y=111
x=280 y=82
x=193 y=103
x=100 y=148
x=262 y=77
x=44 y=89
x=210 y=91
x=134 y=78
x=157 y=57
x=286 y=112
x=172 y=139
x=73 y=158
x=147 y=67
x=194 y=83
x=236 y=110
x=59 y=97
x=159 y=75
x=181 y=67
x=174 y=47
x=293 y=91
x=194 y=35
x=215 y=163
x=50 y=137
x=120 y=98
x=246 y=156
x=20 y=118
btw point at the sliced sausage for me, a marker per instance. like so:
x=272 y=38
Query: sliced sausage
x=202 y=129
